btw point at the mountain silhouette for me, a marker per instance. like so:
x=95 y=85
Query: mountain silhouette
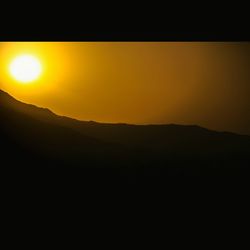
x=37 y=138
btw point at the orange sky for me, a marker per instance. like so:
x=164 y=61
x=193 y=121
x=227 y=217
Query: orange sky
x=139 y=82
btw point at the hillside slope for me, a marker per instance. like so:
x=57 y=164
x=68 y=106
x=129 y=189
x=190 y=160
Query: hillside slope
x=36 y=135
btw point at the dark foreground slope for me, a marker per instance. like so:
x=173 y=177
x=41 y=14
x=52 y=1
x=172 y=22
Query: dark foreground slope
x=37 y=138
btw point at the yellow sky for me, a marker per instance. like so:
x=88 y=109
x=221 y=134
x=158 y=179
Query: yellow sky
x=138 y=82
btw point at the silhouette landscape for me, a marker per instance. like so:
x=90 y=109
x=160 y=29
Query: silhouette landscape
x=133 y=109
x=36 y=138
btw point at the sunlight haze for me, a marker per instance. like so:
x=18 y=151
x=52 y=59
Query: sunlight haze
x=134 y=82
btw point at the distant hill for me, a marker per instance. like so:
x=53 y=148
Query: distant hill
x=36 y=136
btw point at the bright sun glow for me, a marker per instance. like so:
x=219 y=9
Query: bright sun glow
x=25 y=68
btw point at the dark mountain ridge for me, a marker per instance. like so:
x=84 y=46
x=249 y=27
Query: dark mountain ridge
x=38 y=136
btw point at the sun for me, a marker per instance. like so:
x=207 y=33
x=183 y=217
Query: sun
x=25 y=68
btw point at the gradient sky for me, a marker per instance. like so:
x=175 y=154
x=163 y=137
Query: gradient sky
x=203 y=83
